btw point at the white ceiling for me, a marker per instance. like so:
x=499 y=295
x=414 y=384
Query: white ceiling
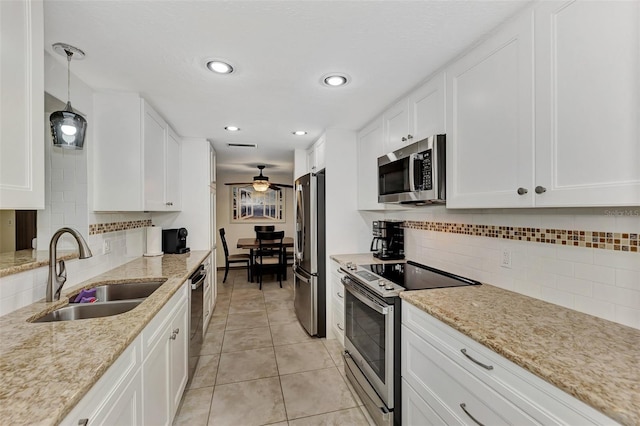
x=280 y=49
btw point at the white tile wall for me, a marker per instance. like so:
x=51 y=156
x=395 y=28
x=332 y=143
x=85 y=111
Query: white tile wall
x=603 y=283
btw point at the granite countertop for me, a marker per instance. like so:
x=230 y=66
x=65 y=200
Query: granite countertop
x=24 y=260
x=595 y=360
x=46 y=368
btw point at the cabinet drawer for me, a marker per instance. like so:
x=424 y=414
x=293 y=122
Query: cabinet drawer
x=337 y=323
x=114 y=381
x=417 y=411
x=541 y=400
x=430 y=371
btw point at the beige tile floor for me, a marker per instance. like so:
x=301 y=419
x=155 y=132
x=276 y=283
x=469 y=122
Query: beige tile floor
x=258 y=366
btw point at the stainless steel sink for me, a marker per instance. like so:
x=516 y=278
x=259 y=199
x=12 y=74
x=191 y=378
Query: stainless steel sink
x=124 y=291
x=90 y=310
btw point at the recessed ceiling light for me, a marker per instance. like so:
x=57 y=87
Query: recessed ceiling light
x=335 y=79
x=299 y=133
x=232 y=128
x=220 y=67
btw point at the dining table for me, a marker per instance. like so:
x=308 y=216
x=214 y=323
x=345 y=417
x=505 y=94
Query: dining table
x=252 y=244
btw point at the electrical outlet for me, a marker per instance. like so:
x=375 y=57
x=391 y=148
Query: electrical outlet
x=106 y=246
x=505 y=260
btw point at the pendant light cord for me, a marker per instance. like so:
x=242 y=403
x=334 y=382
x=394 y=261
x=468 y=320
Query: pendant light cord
x=69 y=55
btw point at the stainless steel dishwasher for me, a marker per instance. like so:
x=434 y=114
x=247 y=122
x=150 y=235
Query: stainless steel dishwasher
x=196 y=281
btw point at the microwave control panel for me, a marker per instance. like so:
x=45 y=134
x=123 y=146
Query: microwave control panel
x=426 y=170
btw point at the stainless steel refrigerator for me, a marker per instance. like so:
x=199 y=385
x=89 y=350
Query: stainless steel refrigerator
x=310 y=254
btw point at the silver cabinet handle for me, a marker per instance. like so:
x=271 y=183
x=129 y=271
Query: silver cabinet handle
x=341 y=329
x=169 y=203
x=207 y=314
x=83 y=422
x=522 y=191
x=340 y=295
x=540 y=189
x=488 y=367
x=409 y=136
x=464 y=408
x=174 y=334
x=404 y=139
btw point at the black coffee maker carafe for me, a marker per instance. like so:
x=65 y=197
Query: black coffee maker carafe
x=388 y=240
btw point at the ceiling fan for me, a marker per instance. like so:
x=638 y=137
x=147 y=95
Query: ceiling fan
x=261 y=183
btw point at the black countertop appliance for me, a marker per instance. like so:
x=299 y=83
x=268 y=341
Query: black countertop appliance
x=388 y=240
x=174 y=241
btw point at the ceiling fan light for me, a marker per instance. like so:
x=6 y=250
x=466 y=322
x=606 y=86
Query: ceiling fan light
x=260 y=185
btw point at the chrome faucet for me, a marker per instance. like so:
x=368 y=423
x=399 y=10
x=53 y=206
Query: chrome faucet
x=59 y=278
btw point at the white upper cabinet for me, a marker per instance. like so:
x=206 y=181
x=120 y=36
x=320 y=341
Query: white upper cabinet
x=370 y=147
x=552 y=127
x=426 y=109
x=588 y=103
x=417 y=116
x=146 y=150
x=490 y=121
x=22 y=104
x=396 y=126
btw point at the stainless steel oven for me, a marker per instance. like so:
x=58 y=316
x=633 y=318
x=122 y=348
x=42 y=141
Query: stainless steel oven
x=372 y=329
x=371 y=343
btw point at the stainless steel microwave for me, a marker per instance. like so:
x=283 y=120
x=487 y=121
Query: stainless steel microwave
x=414 y=174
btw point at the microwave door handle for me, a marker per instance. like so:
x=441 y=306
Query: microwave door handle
x=412 y=182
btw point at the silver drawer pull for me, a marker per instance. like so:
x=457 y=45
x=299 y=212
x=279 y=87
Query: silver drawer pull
x=340 y=295
x=488 y=367
x=341 y=329
x=83 y=422
x=464 y=408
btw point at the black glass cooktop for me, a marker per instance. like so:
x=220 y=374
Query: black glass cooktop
x=414 y=276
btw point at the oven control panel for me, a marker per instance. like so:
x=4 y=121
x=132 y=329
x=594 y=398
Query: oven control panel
x=373 y=282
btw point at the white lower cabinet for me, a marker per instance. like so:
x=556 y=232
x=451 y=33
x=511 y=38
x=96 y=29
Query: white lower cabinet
x=441 y=384
x=145 y=384
x=165 y=367
x=337 y=302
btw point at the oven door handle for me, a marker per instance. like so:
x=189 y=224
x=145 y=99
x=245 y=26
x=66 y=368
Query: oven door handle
x=364 y=298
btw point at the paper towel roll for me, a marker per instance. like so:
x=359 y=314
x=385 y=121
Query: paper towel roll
x=154 y=241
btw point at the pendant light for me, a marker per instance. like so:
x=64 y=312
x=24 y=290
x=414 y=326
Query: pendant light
x=67 y=127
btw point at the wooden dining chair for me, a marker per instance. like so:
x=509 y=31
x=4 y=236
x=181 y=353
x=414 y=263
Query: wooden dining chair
x=270 y=255
x=233 y=258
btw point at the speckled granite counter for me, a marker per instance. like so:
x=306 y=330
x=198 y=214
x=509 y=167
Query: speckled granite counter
x=360 y=259
x=594 y=360
x=24 y=260
x=46 y=368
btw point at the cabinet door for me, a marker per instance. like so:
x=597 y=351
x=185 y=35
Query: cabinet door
x=173 y=198
x=490 y=121
x=311 y=160
x=125 y=408
x=179 y=357
x=154 y=129
x=156 y=383
x=370 y=147
x=588 y=103
x=319 y=148
x=426 y=108
x=396 y=127
x=22 y=105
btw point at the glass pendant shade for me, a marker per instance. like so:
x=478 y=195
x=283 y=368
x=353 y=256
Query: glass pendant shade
x=68 y=128
x=260 y=185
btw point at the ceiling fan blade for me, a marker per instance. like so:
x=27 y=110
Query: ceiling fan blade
x=239 y=183
x=284 y=185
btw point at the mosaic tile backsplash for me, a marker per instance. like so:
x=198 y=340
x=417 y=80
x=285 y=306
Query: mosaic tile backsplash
x=628 y=242
x=103 y=228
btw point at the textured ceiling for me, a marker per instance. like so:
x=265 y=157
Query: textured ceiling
x=281 y=49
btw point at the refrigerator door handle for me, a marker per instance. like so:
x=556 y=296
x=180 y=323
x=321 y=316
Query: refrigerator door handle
x=299 y=223
x=302 y=277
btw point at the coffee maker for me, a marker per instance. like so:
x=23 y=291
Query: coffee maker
x=388 y=240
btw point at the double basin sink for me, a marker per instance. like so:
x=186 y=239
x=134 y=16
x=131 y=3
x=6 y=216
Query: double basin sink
x=112 y=299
